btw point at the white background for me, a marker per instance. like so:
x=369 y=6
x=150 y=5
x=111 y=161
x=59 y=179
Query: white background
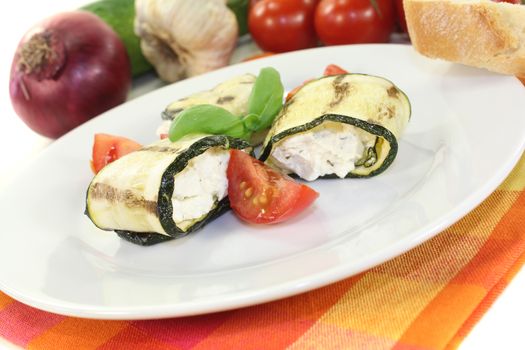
x=502 y=327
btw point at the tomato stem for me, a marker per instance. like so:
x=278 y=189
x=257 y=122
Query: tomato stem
x=376 y=8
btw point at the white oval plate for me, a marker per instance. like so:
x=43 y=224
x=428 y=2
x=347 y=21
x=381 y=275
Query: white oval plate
x=466 y=134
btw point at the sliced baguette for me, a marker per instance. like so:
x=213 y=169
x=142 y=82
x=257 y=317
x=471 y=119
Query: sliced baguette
x=482 y=34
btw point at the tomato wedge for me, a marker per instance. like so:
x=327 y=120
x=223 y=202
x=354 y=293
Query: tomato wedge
x=295 y=89
x=331 y=69
x=261 y=195
x=108 y=148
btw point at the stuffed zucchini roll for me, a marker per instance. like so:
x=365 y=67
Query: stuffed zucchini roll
x=231 y=95
x=164 y=190
x=338 y=126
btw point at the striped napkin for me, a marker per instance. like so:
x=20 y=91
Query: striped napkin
x=428 y=298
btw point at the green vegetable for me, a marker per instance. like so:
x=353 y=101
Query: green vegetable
x=376 y=110
x=266 y=99
x=139 y=187
x=207 y=119
x=264 y=104
x=120 y=15
x=240 y=9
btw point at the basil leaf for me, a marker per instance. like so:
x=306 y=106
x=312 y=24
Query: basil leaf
x=251 y=122
x=207 y=119
x=266 y=98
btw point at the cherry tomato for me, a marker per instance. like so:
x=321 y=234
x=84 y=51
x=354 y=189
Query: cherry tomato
x=400 y=12
x=295 y=89
x=283 y=25
x=340 y=22
x=260 y=195
x=333 y=69
x=108 y=148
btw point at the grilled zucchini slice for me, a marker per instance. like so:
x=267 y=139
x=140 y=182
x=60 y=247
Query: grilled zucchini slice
x=338 y=126
x=163 y=191
x=232 y=95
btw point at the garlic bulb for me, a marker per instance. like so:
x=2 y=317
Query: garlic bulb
x=183 y=38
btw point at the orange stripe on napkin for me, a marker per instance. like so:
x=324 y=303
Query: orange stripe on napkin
x=131 y=338
x=5 y=300
x=183 y=333
x=470 y=289
x=78 y=334
x=275 y=325
x=485 y=304
x=439 y=321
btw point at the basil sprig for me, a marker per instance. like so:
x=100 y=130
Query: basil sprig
x=264 y=103
x=207 y=119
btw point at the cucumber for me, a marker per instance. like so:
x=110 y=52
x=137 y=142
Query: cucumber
x=240 y=9
x=120 y=15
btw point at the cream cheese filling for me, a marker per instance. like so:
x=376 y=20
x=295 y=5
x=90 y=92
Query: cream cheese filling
x=330 y=148
x=199 y=187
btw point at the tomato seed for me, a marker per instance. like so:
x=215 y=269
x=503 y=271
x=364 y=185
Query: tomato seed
x=242 y=185
x=263 y=199
x=255 y=201
x=248 y=193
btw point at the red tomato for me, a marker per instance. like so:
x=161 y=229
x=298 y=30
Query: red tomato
x=257 y=56
x=333 y=69
x=340 y=22
x=295 y=89
x=260 y=195
x=283 y=25
x=401 y=20
x=108 y=148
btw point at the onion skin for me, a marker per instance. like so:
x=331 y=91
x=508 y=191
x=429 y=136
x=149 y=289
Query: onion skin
x=86 y=72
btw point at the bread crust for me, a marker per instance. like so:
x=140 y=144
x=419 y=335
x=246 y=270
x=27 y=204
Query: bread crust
x=482 y=34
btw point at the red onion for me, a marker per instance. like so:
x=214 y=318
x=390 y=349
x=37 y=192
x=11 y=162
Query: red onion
x=68 y=69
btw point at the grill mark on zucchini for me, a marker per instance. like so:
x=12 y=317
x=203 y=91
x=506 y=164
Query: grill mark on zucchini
x=130 y=199
x=392 y=92
x=169 y=114
x=385 y=111
x=166 y=115
x=224 y=99
x=341 y=91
